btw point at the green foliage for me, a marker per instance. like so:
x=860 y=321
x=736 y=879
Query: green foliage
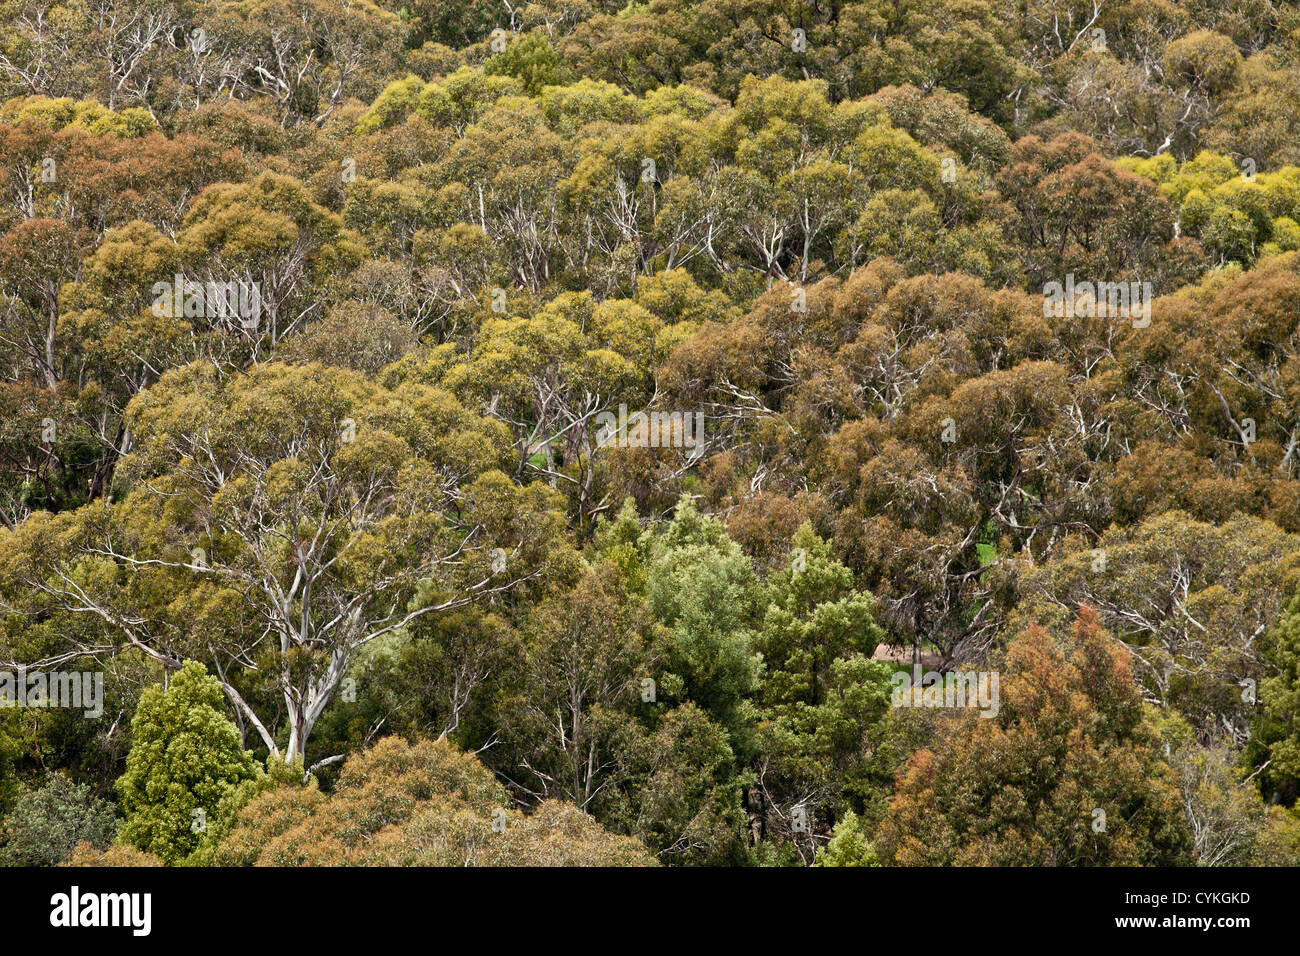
x=410 y=497
x=47 y=822
x=704 y=589
x=531 y=60
x=89 y=115
x=1273 y=749
x=824 y=701
x=186 y=756
x=213 y=847
x=848 y=845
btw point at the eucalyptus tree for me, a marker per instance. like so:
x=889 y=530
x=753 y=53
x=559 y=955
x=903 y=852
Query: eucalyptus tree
x=275 y=523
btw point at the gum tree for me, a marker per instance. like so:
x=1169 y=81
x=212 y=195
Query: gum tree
x=276 y=523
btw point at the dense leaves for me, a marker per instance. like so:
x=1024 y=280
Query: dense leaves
x=554 y=433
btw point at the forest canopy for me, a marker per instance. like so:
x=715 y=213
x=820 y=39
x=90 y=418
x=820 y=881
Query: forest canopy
x=670 y=433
